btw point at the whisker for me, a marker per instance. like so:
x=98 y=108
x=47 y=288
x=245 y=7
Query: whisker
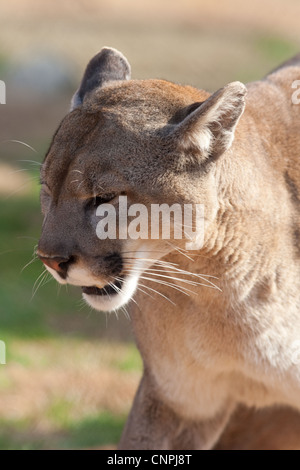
x=31 y=161
x=34 y=258
x=38 y=285
x=154 y=261
x=175 y=267
x=118 y=289
x=145 y=251
x=165 y=253
x=149 y=288
x=182 y=289
x=82 y=304
x=7 y=251
x=157 y=292
x=114 y=287
x=187 y=281
x=144 y=292
x=58 y=289
x=172 y=269
x=43 y=272
x=180 y=251
x=47 y=279
x=19 y=142
x=17 y=171
x=124 y=310
x=29 y=263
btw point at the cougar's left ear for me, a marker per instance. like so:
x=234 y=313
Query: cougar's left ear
x=108 y=65
x=209 y=126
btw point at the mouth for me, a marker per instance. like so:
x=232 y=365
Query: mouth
x=112 y=296
x=108 y=290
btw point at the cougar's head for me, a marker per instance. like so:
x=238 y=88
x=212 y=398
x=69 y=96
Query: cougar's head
x=130 y=144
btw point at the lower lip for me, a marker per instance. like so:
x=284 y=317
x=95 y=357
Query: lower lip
x=105 y=291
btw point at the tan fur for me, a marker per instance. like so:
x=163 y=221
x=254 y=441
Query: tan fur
x=273 y=428
x=237 y=154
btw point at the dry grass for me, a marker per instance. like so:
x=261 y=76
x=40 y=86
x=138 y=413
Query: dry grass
x=51 y=387
x=85 y=376
x=12 y=179
x=279 y=15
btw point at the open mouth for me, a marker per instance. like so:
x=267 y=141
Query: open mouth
x=110 y=289
x=112 y=296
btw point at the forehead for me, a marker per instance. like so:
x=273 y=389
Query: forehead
x=113 y=122
x=71 y=136
x=143 y=102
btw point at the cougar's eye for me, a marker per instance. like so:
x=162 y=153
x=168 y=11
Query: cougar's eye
x=103 y=199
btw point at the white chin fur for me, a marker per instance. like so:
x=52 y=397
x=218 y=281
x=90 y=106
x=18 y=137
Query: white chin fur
x=109 y=303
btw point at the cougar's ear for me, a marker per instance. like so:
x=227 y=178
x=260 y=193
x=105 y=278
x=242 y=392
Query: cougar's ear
x=209 y=126
x=108 y=65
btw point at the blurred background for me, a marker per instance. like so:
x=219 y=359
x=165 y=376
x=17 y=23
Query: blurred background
x=71 y=373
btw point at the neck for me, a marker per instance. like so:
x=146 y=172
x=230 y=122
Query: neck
x=242 y=242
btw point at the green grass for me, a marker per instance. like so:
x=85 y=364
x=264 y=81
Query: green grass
x=20 y=312
x=131 y=361
x=93 y=431
x=52 y=332
x=275 y=48
x=10 y=439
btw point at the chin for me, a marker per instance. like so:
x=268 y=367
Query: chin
x=111 y=297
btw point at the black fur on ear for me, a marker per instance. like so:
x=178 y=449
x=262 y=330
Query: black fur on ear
x=108 y=65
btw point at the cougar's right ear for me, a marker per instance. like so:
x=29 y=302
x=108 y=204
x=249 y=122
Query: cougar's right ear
x=209 y=127
x=108 y=65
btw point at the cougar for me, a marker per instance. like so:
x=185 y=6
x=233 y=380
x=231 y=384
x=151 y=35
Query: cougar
x=218 y=327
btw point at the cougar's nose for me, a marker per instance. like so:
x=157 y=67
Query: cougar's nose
x=60 y=265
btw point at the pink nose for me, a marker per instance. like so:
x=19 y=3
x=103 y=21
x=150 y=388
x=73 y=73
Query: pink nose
x=58 y=264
